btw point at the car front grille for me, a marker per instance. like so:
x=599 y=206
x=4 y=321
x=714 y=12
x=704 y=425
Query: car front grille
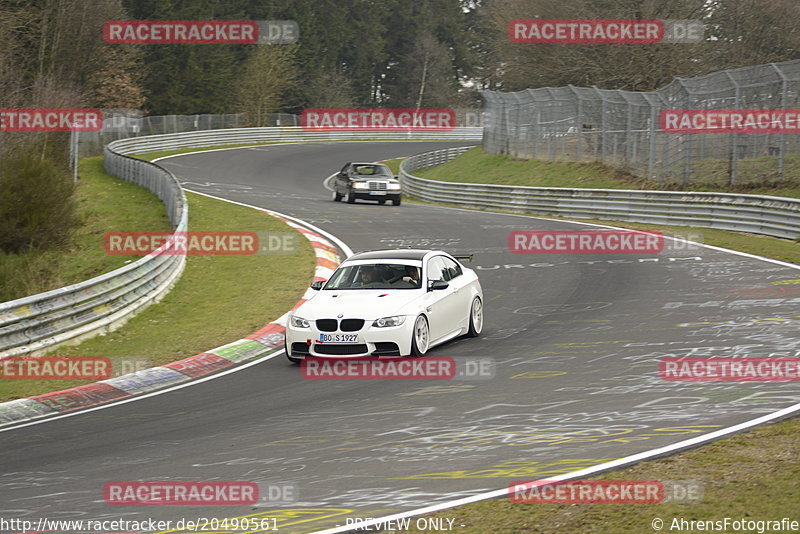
x=351 y=325
x=378 y=185
x=340 y=350
x=327 y=325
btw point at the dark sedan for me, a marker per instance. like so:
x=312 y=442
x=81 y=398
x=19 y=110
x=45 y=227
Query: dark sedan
x=366 y=181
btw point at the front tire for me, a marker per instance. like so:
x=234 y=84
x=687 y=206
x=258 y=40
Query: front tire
x=475 y=318
x=396 y=202
x=350 y=198
x=420 y=337
x=336 y=196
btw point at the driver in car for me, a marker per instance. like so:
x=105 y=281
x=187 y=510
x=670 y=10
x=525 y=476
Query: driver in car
x=369 y=277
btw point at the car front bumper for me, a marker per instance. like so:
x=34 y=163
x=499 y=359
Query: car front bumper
x=380 y=194
x=370 y=341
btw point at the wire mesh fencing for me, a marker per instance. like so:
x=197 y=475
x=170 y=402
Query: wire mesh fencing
x=624 y=128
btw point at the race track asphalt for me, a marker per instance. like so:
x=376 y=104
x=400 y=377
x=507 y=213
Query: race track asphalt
x=575 y=341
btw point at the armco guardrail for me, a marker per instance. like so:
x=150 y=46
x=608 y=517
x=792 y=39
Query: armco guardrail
x=38 y=322
x=236 y=136
x=34 y=323
x=773 y=216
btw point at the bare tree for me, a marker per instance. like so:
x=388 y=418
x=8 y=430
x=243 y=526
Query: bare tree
x=268 y=74
x=331 y=88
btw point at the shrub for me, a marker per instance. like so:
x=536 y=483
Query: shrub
x=37 y=204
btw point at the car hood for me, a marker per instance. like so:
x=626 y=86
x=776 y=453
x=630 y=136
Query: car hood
x=367 y=304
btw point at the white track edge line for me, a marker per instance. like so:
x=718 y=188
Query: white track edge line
x=191 y=382
x=582 y=472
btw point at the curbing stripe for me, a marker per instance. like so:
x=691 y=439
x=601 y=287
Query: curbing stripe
x=269 y=337
x=199 y=364
x=146 y=380
x=22 y=410
x=80 y=397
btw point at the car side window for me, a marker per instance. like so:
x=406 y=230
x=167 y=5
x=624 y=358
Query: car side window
x=436 y=269
x=344 y=169
x=451 y=268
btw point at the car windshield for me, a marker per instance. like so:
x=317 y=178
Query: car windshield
x=372 y=170
x=375 y=276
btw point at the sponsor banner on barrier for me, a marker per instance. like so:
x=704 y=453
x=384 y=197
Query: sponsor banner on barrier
x=201 y=32
x=730 y=120
x=587 y=492
x=378 y=120
x=396 y=368
x=55 y=368
x=50 y=120
x=181 y=493
x=585 y=242
x=745 y=369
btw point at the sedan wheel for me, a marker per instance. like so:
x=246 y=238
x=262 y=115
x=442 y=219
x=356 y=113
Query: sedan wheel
x=475 y=318
x=336 y=196
x=350 y=198
x=419 y=339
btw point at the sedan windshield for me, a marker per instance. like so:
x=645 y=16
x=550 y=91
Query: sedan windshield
x=375 y=276
x=372 y=170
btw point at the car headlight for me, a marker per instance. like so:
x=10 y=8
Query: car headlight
x=394 y=187
x=394 y=320
x=360 y=185
x=299 y=322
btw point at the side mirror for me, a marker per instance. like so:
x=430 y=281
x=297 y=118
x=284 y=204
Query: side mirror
x=435 y=285
x=316 y=285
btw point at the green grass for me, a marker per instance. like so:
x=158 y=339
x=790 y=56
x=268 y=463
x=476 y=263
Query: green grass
x=105 y=204
x=218 y=299
x=770 y=247
x=476 y=166
x=750 y=476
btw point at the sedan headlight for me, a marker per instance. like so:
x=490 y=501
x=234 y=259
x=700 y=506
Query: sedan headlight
x=394 y=320
x=299 y=322
x=360 y=185
x=394 y=186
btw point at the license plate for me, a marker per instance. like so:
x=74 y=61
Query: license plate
x=377 y=192
x=337 y=338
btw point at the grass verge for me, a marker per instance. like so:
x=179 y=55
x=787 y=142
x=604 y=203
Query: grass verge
x=751 y=476
x=218 y=299
x=769 y=247
x=476 y=166
x=105 y=204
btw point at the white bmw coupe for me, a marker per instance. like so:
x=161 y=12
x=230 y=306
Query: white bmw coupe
x=387 y=303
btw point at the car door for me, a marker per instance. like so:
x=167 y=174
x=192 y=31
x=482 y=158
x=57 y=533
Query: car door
x=442 y=304
x=461 y=294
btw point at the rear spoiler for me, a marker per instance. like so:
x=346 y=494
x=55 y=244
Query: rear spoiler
x=463 y=257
